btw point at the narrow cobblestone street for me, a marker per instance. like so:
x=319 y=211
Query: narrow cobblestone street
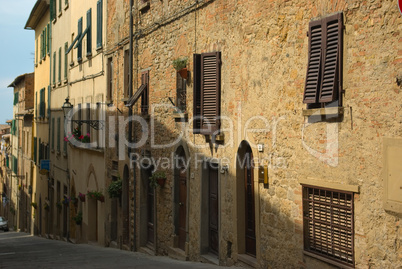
x=21 y=250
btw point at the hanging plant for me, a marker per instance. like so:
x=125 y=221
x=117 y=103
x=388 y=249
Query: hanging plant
x=34 y=205
x=81 y=196
x=115 y=189
x=59 y=205
x=157 y=178
x=78 y=218
x=96 y=195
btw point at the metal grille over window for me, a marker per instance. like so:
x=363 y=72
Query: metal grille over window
x=328 y=224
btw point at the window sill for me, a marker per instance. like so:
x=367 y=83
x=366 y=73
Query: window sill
x=99 y=48
x=182 y=117
x=218 y=138
x=89 y=55
x=327 y=260
x=72 y=63
x=65 y=81
x=60 y=13
x=249 y=260
x=59 y=83
x=65 y=154
x=54 y=20
x=323 y=111
x=65 y=8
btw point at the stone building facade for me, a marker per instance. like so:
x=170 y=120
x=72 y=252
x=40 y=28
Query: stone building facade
x=316 y=157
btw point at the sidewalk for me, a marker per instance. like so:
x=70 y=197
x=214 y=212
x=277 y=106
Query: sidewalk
x=21 y=250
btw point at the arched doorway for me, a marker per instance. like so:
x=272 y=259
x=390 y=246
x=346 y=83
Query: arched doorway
x=180 y=197
x=246 y=228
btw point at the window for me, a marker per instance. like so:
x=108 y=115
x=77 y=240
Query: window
x=89 y=32
x=48 y=39
x=181 y=93
x=324 y=71
x=99 y=21
x=328 y=224
x=42 y=104
x=207 y=93
x=126 y=72
x=110 y=79
x=145 y=93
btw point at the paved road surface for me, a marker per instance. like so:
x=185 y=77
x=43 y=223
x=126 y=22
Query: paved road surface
x=21 y=250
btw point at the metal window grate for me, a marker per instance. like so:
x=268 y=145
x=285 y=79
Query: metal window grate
x=328 y=223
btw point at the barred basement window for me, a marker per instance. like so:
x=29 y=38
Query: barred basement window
x=328 y=224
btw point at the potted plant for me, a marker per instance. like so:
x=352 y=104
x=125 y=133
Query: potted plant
x=78 y=218
x=65 y=201
x=59 y=205
x=114 y=189
x=46 y=206
x=96 y=195
x=180 y=64
x=81 y=196
x=157 y=178
x=74 y=200
x=34 y=205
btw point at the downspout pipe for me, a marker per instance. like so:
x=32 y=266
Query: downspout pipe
x=130 y=125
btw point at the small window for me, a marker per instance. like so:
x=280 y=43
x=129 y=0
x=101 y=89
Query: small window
x=181 y=93
x=145 y=94
x=207 y=93
x=110 y=79
x=328 y=224
x=324 y=70
x=42 y=104
x=126 y=72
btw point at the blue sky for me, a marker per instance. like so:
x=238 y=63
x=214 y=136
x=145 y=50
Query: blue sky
x=17 y=47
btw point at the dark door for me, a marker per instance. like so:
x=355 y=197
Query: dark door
x=150 y=213
x=213 y=211
x=250 y=208
x=182 y=207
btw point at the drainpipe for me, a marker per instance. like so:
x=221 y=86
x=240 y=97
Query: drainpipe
x=49 y=120
x=130 y=125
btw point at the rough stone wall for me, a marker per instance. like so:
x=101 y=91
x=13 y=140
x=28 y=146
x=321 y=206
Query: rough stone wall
x=264 y=55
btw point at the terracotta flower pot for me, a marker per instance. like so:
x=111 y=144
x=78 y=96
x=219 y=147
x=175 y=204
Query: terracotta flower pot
x=183 y=73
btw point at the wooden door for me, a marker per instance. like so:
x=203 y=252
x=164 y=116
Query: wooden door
x=213 y=211
x=250 y=208
x=150 y=214
x=182 y=207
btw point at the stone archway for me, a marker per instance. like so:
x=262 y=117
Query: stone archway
x=180 y=198
x=92 y=206
x=246 y=220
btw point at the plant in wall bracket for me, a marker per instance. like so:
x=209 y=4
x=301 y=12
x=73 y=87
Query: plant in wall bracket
x=157 y=178
x=180 y=64
x=114 y=188
x=34 y=205
x=78 y=218
x=97 y=195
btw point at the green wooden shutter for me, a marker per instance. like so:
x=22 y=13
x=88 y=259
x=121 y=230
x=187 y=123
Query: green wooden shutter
x=59 y=73
x=99 y=21
x=36 y=52
x=65 y=60
x=48 y=39
x=36 y=104
x=52 y=4
x=54 y=67
x=59 y=6
x=89 y=31
x=52 y=133
x=79 y=46
x=35 y=149
x=58 y=134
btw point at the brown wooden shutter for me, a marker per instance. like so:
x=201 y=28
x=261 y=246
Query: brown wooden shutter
x=145 y=94
x=332 y=47
x=314 y=62
x=210 y=92
x=196 y=93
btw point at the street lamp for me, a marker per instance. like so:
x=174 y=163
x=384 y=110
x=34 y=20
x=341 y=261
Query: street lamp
x=67 y=107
